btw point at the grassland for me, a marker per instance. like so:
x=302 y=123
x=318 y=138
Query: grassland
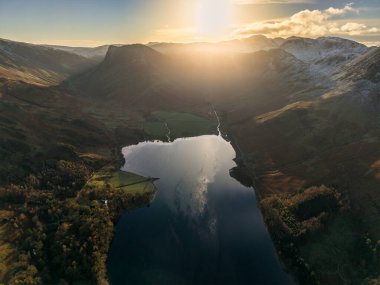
x=175 y=125
x=128 y=182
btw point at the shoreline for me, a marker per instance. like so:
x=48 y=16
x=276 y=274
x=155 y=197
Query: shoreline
x=242 y=166
x=275 y=252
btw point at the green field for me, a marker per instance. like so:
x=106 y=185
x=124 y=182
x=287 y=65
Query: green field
x=129 y=182
x=179 y=124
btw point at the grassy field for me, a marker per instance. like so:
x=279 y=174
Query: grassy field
x=129 y=182
x=179 y=124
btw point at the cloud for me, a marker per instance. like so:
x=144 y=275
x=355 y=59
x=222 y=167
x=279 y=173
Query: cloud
x=69 y=42
x=311 y=23
x=371 y=44
x=348 y=9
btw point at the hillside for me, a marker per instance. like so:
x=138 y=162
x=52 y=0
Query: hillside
x=37 y=64
x=135 y=76
x=331 y=139
x=245 y=45
x=57 y=154
x=324 y=54
x=88 y=52
x=366 y=67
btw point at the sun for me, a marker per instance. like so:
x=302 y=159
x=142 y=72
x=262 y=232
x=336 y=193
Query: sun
x=214 y=17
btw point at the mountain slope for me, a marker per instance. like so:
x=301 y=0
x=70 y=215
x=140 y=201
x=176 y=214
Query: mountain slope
x=262 y=81
x=245 y=45
x=132 y=75
x=325 y=54
x=331 y=138
x=37 y=64
x=137 y=76
x=365 y=67
x=88 y=52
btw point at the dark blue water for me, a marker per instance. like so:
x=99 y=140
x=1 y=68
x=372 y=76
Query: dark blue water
x=203 y=227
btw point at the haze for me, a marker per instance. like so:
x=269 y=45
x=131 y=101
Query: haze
x=94 y=23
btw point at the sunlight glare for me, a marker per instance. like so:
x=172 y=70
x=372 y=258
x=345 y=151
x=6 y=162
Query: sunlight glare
x=214 y=17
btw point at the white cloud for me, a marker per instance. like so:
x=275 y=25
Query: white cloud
x=338 y=12
x=69 y=42
x=311 y=23
x=371 y=44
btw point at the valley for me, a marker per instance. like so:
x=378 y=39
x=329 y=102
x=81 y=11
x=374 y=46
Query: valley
x=304 y=125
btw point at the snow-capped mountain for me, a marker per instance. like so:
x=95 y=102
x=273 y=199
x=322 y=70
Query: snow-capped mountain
x=364 y=67
x=324 y=54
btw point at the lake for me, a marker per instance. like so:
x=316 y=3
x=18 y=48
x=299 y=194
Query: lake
x=203 y=226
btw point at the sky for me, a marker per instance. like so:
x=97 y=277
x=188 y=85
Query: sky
x=95 y=22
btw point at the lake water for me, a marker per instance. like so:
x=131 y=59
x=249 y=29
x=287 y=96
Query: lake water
x=203 y=226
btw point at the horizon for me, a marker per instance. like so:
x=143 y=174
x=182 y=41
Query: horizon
x=368 y=44
x=93 y=23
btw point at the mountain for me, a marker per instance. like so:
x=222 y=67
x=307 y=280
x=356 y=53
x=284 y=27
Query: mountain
x=137 y=75
x=245 y=45
x=260 y=42
x=324 y=54
x=37 y=64
x=88 y=52
x=364 y=67
x=323 y=134
x=132 y=75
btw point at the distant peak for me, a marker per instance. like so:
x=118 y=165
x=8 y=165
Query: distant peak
x=134 y=48
x=127 y=53
x=130 y=48
x=258 y=37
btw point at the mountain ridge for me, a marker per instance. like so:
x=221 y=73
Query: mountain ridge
x=38 y=64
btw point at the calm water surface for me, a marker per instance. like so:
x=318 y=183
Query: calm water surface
x=203 y=227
